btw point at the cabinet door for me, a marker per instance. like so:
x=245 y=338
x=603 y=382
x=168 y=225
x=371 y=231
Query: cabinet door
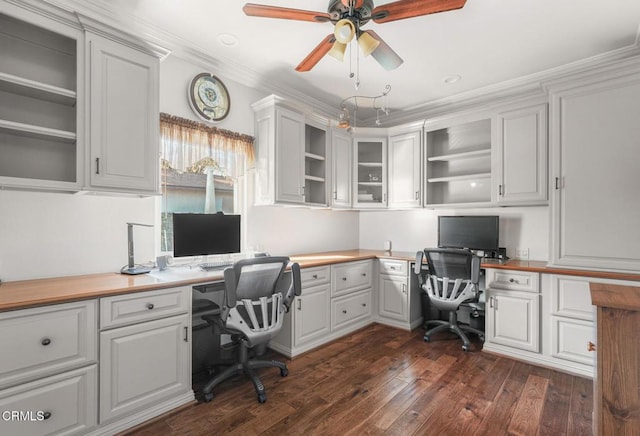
x=513 y=319
x=370 y=185
x=124 y=116
x=312 y=317
x=289 y=170
x=341 y=166
x=142 y=364
x=404 y=170
x=392 y=297
x=522 y=154
x=596 y=172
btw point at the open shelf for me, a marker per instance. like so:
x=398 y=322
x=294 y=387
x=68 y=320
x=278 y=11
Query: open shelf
x=37 y=131
x=38 y=90
x=370 y=183
x=314 y=156
x=464 y=155
x=314 y=178
x=460 y=178
x=370 y=164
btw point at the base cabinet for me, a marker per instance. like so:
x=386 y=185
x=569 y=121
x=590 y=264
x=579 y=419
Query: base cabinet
x=392 y=297
x=62 y=404
x=335 y=301
x=513 y=319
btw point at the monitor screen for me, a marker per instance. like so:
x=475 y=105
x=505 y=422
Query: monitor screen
x=472 y=232
x=200 y=234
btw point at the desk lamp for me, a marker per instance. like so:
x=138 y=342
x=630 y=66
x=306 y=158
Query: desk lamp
x=131 y=268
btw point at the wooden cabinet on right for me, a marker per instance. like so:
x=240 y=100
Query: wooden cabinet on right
x=616 y=409
x=595 y=169
x=521 y=173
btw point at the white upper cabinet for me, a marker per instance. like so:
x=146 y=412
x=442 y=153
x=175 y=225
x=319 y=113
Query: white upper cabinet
x=521 y=172
x=404 y=169
x=341 y=159
x=41 y=102
x=458 y=161
x=124 y=117
x=292 y=156
x=370 y=167
x=595 y=170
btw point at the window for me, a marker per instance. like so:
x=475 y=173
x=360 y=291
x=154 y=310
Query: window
x=201 y=166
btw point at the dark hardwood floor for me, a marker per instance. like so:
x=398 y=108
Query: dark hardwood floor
x=381 y=380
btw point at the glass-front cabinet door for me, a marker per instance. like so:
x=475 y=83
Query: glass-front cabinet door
x=370 y=184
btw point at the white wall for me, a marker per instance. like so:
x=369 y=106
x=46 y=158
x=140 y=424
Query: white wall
x=413 y=230
x=44 y=234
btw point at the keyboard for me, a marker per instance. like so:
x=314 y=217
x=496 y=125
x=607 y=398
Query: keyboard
x=213 y=266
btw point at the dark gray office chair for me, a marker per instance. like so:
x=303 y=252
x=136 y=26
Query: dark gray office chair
x=253 y=311
x=452 y=280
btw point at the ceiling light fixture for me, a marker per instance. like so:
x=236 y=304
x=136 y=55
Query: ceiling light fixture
x=344 y=117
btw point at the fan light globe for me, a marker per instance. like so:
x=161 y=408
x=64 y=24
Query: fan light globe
x=337 y=51
x=367 y=43
x=344 y=31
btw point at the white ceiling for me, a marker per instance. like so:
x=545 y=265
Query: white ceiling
x=487 y=42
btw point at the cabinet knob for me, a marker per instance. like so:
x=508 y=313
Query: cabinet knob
x=512 y=280
x=364 y=274
x=45 y=341
x=591 y=346
x=150 y=306
x=46 y=415
x=364 y=304
x=315 y=276
x=393 y=268
x=344 y=311
x=344 y=279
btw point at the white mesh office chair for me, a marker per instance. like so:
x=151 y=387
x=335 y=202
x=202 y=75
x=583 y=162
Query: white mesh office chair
x=253 y=311
x=453 y=279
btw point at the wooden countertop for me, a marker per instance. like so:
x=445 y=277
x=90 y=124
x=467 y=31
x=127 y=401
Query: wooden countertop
x=29 y=293
x=615 y=296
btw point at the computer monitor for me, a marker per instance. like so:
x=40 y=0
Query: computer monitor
x=200 y=234
x=480 y=232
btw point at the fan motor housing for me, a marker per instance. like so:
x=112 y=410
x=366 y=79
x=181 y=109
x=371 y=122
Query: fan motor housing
x=362 y=14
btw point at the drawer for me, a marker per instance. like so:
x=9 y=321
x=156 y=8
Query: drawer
x=350 y=309
x=393 y=267
x=514 y=280
x=42 y=341
x=350 y=277
x=570 y=338
x=143 y=306
x=318 y=275
x=571 y=297
x=62 y=404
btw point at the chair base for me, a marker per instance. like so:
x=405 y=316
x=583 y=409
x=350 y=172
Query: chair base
x=247 y=367
x=453 y=326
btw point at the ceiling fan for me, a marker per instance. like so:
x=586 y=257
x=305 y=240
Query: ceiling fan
x=348 y=17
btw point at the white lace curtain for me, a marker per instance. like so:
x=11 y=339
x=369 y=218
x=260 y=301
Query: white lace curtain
x=186 y=143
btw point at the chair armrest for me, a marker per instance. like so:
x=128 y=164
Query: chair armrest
x=230 y=284
x=295 y=288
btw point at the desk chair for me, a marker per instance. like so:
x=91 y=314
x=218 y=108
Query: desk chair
x=252 y=312
x=452 y=280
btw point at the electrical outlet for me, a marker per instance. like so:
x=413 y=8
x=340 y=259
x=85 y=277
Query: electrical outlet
x=522 y=253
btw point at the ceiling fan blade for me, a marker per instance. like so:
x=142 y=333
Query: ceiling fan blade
x=318 y=53
x=384 y=54
x=254 y=10
x=413 y=8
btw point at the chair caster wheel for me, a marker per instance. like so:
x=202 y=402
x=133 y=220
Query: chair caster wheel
x=465 y=348
x=262 y=398
x=207 y=397
x=284 y=372
x=427 y=339
x=482 y=338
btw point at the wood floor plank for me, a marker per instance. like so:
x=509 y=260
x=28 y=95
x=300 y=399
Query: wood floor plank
x=581 y=407
x=381 y=380
x=526 y=417
x=555 y=414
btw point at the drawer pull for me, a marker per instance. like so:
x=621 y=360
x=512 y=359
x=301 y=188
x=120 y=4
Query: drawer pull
x=46 y=415
x=364 y=304
x=344 y=279
x=364 y=274
x=512 y=280
x=591 y=346
x=45 y=341
x=150 y=306
x=344 y=311
x=393 y=267
x=315 y=276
